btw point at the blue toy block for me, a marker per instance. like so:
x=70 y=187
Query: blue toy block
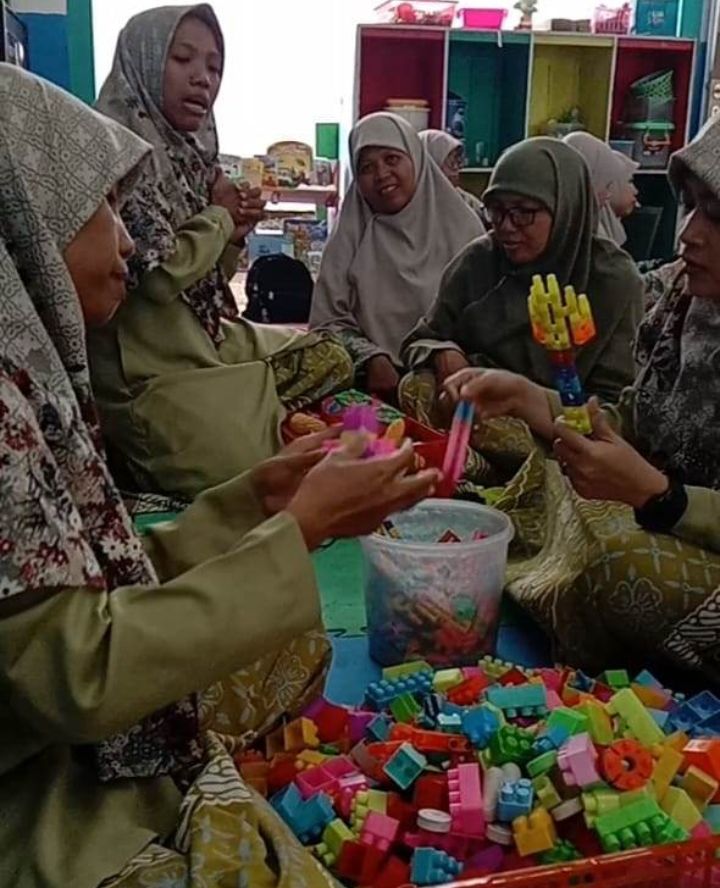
x=449 y=708
x=705 y=704
x=450 y=724
x=710 y=727
x=379 y=728
x=515 y=800
x=432 y=707
x=514 y=700
x=711 y=815
x=660 y=717
x=405 y=766
x=287 y=803
x=543 y=745
x=306 y=818
x=432 y=867
x=479 y=725
x=647 y=680
x=380 y=694
x=582 y=682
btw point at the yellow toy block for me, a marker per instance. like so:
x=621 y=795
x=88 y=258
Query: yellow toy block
x=639 y=722
x=446 y=679
x=701 y=787
x=300 y=734
x=364 y=802
x=534 y=834
x=666 y=767
x=599 y=723
x=651 y=697
x=678 y=805
x=678 y=741
x=559 y=320
x=310 y=758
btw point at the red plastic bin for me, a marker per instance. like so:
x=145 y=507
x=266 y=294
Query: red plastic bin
x=692 y=864
x=483 y=19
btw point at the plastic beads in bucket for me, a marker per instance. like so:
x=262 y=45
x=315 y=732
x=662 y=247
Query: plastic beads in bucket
x=436 y=600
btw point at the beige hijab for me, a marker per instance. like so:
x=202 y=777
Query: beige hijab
x=380 y=274
x=439 y=145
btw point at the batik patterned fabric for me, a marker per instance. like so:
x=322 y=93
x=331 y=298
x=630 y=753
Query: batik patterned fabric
x=63 y=523
x=177 y=183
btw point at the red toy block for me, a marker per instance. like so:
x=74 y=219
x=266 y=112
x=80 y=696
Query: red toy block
x=431 y=791
x=513 y=677
x=332 y=723
x=469 y=692
x=428 y=742
x=627 y=765
x=704 y=754
x=359 y=863
x=395 y=873
x=281 y=773
x=400 y=810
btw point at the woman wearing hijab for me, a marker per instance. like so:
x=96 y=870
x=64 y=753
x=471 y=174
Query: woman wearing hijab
x=628 y=570
x=112 y=768
x=544 y=222
x=449 y=154
x=189 y=393
x=401 y=223
x=611 y=177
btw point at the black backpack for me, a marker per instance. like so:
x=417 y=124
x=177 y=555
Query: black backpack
x=279 y=291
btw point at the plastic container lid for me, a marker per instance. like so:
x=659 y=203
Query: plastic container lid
x=499 y=834
x=434 y=821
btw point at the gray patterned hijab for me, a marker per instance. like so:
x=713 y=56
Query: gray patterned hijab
x=177 y=186
x=62 y=522
x=678 y=348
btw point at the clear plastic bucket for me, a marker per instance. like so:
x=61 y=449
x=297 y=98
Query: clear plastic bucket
x=436 y=601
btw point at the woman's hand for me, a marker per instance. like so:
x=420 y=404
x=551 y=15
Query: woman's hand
x=606 y=467
x=344 y=496
x=449 y=362
x=382 y=378
x=500 y=393
x=277 y=480
x=223 y=193
x=250 y=212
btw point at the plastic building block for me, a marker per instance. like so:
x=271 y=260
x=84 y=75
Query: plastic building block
x=469 y=692
x=430 y=742
x=701 y=787
x=515 y=800
x=479 y=725
x=360 y=863
x=562 y=852
x=336 y=833
x=405 y=708
x=519 y=700
x=599 y=725
x=446 y=679
x=639 y=723
x=466 y=803
x=577 y=760
x=637 y=825
x=307 y=818
x=364 y=802
x=542 y=763
x=405 y=766
x=513 y=676
x=651 y=697
x=712 y=817
x=678 y=805
x=493 y=668
x=380 y=831
x=390 y=673
x=666 y=767
x=704 y=754
x=534 y=834
x=570 y=720
x=510 y=744
x=394 y=874
x=431 y=867
x=546 y=793
x=381 y=693
x=501 y=835
x=627 y=765
x=300 y=734
x=379 y=728
x=451 y=723
x=617 y=679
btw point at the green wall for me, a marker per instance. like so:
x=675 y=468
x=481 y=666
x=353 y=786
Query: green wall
x=81 y=55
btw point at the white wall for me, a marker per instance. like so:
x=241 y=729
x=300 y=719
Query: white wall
x=52 y=7
x=289 y=64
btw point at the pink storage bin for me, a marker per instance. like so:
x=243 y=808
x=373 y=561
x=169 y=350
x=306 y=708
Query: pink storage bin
x=483 y=19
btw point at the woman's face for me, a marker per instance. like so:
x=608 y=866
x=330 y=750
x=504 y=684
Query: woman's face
x=452 y=165
x=97 y=261
x=386 y=179
x=625 y=201
x=193 y=72
x=700 y=239
x=521 y=226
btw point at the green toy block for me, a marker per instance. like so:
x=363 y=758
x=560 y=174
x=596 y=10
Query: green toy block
x=405 y=708
x=563 y=852
x=617 y=679
x=637 y=825
x=542 y=764
x=334 y=837
x=391 y=673
x=640 y=723
x=599 y=725
x=510 y=744
x=446 y=679
x=493 y=667
x=597 y=802
x=546 y=793
x=570 y=719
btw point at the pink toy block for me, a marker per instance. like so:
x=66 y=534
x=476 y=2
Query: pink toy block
x=349 y=788
x=577 y=760
x=380 y=831
x=701 y=830
x=553 y=701
x=325 y=777
x=359 y=721
x=466 y=804
x=472 y=672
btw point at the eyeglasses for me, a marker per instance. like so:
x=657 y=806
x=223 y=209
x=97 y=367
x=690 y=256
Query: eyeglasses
x=520 y=217
x=457 y=163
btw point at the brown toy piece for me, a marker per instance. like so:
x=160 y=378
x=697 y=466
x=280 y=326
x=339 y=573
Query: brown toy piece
x=304 y=424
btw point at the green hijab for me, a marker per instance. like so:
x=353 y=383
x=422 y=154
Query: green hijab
x=482 y=306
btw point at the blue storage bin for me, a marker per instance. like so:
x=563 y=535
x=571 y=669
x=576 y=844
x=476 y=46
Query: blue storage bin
x=657 y=18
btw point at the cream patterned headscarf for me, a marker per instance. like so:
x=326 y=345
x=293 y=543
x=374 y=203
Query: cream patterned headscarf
x=62 y=521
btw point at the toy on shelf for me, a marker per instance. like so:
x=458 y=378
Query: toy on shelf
x=417 y=805
x=612 y=19
x=440 y=13
x=559 y=322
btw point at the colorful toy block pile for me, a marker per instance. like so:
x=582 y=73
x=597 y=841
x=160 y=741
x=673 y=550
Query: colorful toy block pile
x=460 y=773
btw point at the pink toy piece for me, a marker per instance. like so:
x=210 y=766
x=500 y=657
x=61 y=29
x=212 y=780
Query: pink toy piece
x=349 y=787
x=380 y=831
x=576 y=760
x=553 y=701
x=466 y=804
x=359 y=720
x=472 y=672
x=456 y=453
x=340 y=766
x=325 y=777
x=701 y=830
x=361 y=418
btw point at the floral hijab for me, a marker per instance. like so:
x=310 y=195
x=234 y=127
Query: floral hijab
x=62 y=521
x=177 y=185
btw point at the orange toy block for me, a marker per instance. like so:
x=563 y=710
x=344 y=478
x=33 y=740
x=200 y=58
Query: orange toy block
x=701 y=787
x=300 y=734
x=679 y=740
x=534 y=834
